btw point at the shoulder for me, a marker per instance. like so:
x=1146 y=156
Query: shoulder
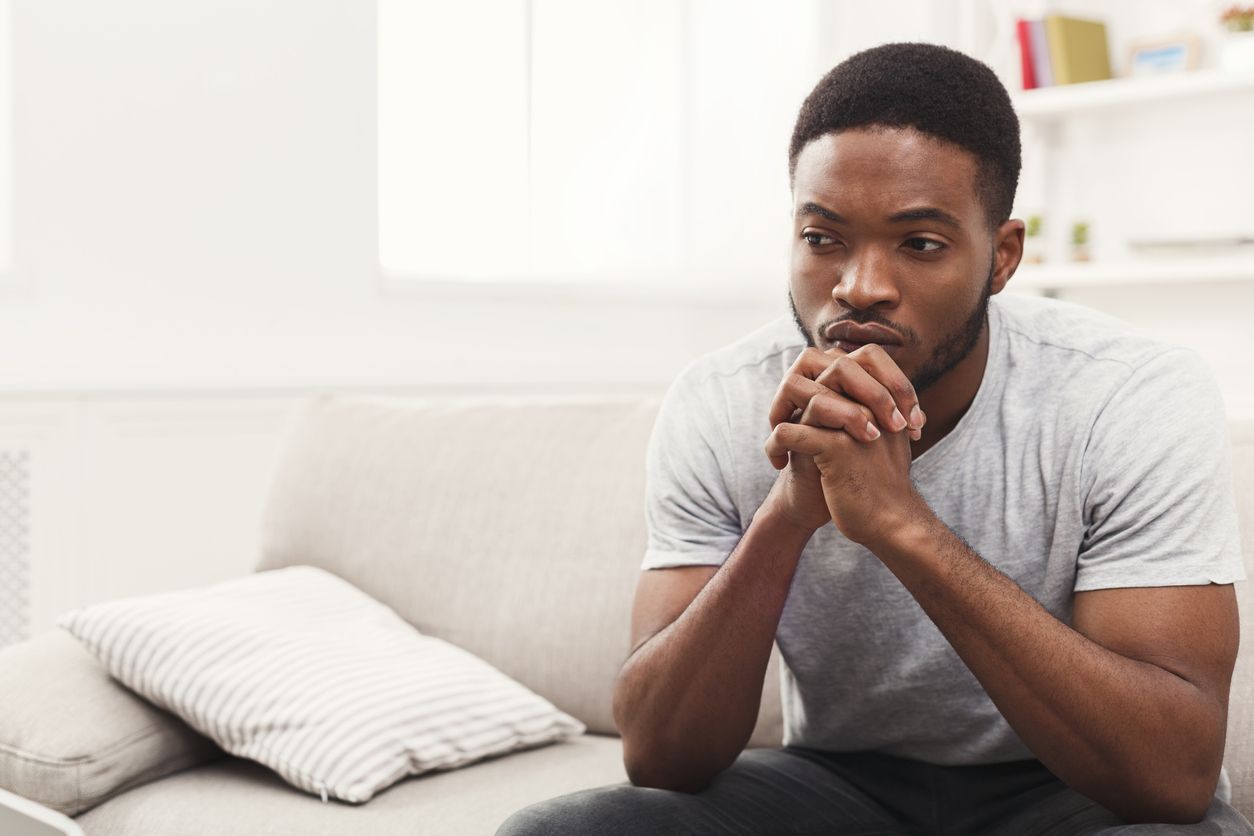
x=1119 y=394
x=730 y=385
x=761 y=355
x=1083 y=352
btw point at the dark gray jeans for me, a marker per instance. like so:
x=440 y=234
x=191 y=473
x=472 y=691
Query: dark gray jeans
x=805 y=791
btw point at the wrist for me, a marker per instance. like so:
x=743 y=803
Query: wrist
x=901 y=527
x=775 y=516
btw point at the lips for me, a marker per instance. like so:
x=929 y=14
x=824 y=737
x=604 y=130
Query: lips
x=852 y=335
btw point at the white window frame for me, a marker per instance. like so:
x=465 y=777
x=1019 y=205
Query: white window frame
x=7 y=280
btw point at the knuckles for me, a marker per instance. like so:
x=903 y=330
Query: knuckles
x=797 y=380
x=808 y=358
x=871 y=350
x=899 y=384
x=799 y=383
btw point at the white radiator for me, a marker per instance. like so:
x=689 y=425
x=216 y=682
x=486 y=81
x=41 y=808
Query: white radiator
x=14 y=546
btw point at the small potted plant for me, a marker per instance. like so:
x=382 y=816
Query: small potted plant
x=1237 y=49
x=1080 y=241
x=1033 y=241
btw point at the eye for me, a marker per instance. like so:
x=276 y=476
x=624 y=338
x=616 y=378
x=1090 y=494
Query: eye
x=938 y=246
x=816 y=239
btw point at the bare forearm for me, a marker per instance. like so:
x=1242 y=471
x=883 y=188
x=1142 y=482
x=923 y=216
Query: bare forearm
x=1133 y=736
x=686 y=701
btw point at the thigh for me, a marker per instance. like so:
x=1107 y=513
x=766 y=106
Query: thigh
x=1222 y=819
x=766 y=791
x=1064 y=812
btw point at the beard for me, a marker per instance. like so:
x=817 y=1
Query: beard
x=951 y=350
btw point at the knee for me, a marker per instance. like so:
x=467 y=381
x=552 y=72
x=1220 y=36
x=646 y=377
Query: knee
x=597 y=810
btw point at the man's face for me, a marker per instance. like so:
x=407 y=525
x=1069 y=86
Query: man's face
x=917 y=285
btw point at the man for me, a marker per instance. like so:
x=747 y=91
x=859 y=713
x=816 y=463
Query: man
x=994 y=537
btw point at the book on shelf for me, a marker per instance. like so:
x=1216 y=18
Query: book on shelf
x=1058 y=49
x=1040 y=54
x=1023 y=31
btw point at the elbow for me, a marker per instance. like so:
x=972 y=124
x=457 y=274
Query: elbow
x=644 y=766
x=1171 y=780
x=645 y=770
x=1165 y=811
x=1168 y=798
x=661 y=760
x=1178 y=804
x=658 y=755
x=649 y=760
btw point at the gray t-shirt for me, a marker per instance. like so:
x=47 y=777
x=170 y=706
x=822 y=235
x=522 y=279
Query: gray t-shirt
x=1090 y=458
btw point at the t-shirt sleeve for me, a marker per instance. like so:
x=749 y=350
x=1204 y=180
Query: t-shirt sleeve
x=1159 y=504
x=689 y=511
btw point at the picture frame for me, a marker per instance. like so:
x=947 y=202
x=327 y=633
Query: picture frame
x=1154 y=56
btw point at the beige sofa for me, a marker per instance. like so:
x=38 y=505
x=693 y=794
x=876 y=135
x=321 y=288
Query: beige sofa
x=514 y=529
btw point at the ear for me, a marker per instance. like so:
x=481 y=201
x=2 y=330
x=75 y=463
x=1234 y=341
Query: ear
x=1007 y=252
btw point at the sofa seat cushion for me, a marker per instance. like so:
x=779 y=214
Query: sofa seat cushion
x=239 y=796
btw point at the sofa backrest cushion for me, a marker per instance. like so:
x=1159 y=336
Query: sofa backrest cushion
x=1239 y=752
x=513 y=529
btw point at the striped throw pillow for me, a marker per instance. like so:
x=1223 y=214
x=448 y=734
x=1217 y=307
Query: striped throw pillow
x=299 y=670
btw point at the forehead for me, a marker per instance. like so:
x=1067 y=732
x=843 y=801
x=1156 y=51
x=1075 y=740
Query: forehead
x=886 y=169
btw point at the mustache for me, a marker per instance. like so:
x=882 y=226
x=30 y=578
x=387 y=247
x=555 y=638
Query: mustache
x=872 y=317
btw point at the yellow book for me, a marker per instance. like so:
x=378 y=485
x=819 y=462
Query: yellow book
x=1077 y=49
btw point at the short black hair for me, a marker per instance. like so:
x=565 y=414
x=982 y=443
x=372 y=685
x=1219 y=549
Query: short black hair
x=933 y=89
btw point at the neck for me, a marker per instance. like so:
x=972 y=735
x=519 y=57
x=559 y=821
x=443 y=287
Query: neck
x=947 y=400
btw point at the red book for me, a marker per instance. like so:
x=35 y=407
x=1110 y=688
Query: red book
x=1022 y=29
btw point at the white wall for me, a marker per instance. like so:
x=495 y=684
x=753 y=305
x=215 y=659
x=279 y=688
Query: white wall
x=194 y=205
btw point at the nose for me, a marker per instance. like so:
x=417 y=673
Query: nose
x=865 y=282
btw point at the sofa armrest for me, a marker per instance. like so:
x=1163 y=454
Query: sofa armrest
x=71 y=736
x=22 y=817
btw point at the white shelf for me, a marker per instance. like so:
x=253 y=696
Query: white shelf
x=1070 y=99
x=1143 y=272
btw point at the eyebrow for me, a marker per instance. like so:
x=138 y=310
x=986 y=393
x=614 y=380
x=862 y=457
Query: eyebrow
x=925 y=213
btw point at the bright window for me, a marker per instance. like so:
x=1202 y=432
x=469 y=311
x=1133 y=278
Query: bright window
x=590 y=141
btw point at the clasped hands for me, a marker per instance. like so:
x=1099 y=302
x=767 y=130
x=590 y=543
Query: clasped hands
x=842 y=424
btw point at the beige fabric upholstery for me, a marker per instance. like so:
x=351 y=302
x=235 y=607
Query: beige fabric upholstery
x=234 y=796
x=465 y=563
x=514 y=530
x=71 y=736
x=1239 y=752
